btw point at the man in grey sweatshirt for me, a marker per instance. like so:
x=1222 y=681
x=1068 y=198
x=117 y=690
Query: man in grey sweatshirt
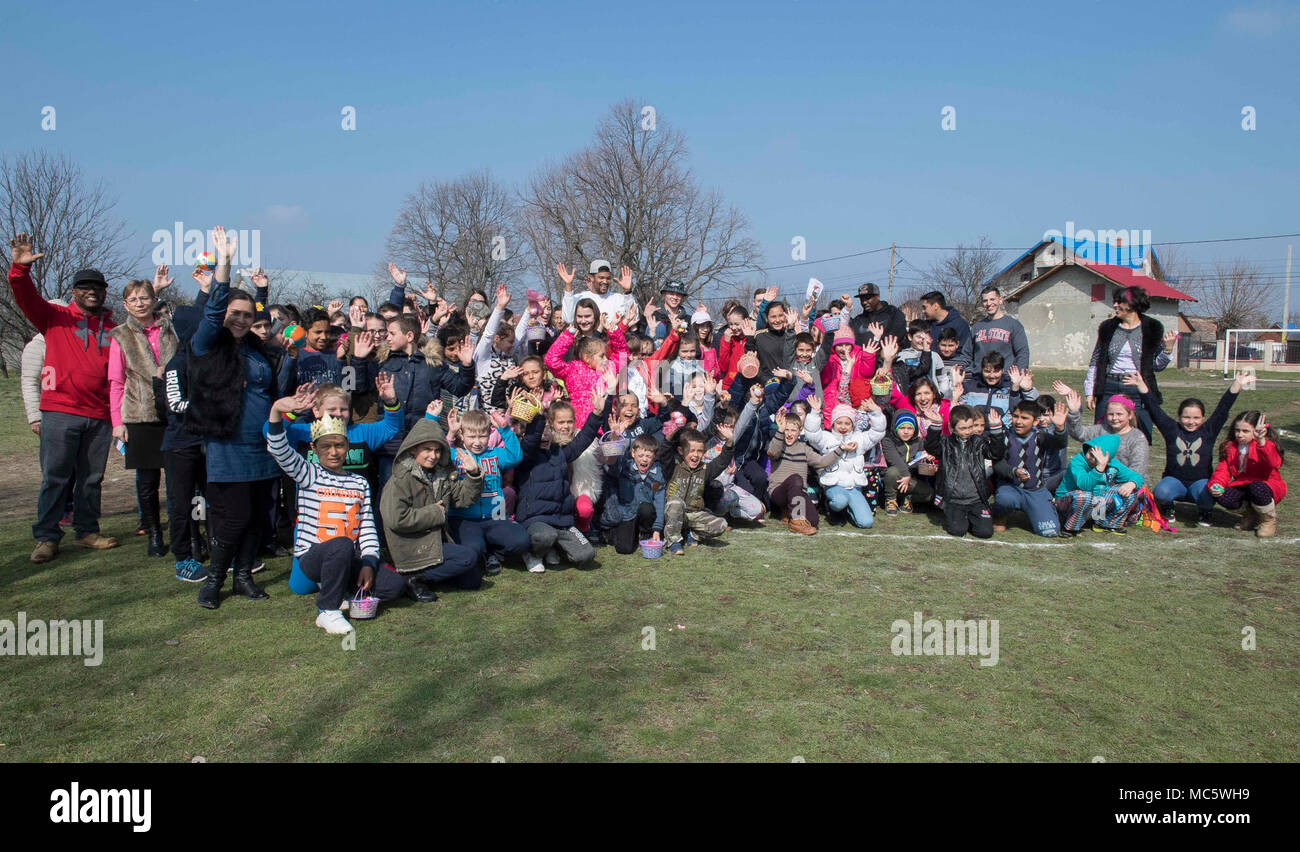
x=999 y=333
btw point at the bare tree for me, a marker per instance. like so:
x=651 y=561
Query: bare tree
x=1234 y=295
x=630 y=198
x=458 y=234
x=962 y=274
x=73 y=222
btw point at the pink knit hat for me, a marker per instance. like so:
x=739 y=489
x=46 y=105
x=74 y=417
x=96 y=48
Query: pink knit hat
x=1120 y=399
x=841 y=410
x=843 y=334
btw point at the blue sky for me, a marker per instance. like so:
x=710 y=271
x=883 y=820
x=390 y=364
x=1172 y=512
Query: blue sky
x=820 y=120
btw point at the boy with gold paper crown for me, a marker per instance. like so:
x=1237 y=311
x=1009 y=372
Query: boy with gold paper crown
x=336 y=543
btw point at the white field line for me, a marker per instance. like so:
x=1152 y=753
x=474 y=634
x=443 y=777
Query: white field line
x=1097 y=545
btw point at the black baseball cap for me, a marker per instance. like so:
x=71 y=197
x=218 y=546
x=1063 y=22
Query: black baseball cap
x=868 y=289
x=89 y=278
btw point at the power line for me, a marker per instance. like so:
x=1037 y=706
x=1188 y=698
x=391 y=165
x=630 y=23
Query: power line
x=1165 y=243
x=823 y=260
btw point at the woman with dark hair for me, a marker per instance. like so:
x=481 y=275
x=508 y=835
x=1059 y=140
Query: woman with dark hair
x=1129 y=342
x=232 y=385
x=138 y=351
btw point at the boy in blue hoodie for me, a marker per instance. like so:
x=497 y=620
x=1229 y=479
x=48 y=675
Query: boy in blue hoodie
x=485 y=526
x=1097 y=487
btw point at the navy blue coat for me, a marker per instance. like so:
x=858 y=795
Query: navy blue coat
x=542 y=478
x=418 y=383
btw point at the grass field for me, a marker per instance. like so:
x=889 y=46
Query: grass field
x=769 y=648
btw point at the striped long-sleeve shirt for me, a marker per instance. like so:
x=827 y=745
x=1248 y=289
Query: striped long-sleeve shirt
x=330 y=505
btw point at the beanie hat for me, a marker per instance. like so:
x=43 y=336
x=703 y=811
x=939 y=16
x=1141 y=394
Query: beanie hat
x=905 y=417
x=843 y=334
x=1120 y=399
x=841 y=410
x=701 y=316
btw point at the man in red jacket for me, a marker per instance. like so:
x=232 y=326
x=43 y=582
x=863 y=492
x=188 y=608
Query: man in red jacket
x=75 y=425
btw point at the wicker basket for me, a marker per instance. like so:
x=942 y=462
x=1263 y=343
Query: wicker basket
x=534 y=333
x=363 y=607
x=651 y=549
x=525 y=407
x=612 y=446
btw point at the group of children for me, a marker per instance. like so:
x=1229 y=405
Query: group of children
x=568 y=457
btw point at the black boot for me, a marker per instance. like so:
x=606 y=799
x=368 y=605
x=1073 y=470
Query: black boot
x=243 y=583
x=222 y=555
x=146 y=492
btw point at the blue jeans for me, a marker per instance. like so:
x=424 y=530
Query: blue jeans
x=840 y=498
x=1037 y=506
x=1170 y=489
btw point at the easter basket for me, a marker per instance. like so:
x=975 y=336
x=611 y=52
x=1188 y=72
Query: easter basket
x=612 y=445
x=525 y=407
x=363 y=606
x=652 y=549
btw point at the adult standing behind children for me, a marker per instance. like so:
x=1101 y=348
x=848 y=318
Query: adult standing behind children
x=998 y=333
x=75 y=428
x=612 y=304
x=1129 y=342
x=874 y=311
x=935 y=308
x=139 y=350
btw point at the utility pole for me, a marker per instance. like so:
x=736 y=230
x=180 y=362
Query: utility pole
x=1286 y=297
x=891 y=272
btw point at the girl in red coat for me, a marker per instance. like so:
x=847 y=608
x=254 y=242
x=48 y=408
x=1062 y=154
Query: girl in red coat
x=1248 y=476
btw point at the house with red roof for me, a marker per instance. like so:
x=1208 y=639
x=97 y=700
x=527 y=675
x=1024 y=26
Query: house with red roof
x=1062 y=305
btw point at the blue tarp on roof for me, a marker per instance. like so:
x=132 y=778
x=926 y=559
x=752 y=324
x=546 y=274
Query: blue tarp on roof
x=1127 y=254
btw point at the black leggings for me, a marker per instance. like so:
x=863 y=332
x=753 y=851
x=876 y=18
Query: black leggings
x=186 y=477
x=1258 y=492
x=236 y=513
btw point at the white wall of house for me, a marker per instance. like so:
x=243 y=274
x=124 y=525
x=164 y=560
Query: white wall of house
x=1061 y=319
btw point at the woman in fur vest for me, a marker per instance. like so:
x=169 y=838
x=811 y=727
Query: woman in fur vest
x=138 y=351
x=232 y=385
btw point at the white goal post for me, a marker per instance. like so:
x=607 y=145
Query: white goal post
x=1230 y=353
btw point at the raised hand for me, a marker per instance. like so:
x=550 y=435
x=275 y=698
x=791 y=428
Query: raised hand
x=806 y=309
x=657 y=396
x=873 y=345
x=727 y=431
x=750 y=326
x=772 y=293
x=1059 y=413
x=162 y=279
x=499 y=419
x=1060 y=387
x=1170 y=340
x=21 y=250
x=467 y=463
x=434 y=409
x=869 y=404
x=465 y=354
x=203 y=278
x=1016 y=376
x=814 y=402
x=782 y=373
x=1261 y=430
x=803 y=376
x=756 y=394
x=958 y=378
x=630 y=315
x=224 y=244
x=300 y=401
x=503 y=297
x=259 y=279
x=384 y=386
x=356 y=316
x=889 y=348
x=625 y=279
x=363 y=344
x=710 y=384
x=876 y=330
x=334 y=306
x=1238 y=381
x=995 y=419
x=1027 y=380
x=566 y=275
x=511 y=372
x=453 y=422
x=398 y=274
x=1101 y=457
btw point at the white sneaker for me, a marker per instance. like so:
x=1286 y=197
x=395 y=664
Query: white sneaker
x=533 y=563
x=332 y=621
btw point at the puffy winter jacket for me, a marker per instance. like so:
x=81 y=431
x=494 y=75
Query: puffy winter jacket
x=628 y=488
x=542 y=478
x=417 y=383
x=848 y=470
x=1262 y=465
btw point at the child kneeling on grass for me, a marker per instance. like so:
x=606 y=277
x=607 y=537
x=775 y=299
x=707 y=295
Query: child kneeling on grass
x=424 y=486
x=963 y=485
x=684 y=510
x=486 y=526
x=845 y=477
x=1249 y=474
x=1022 y=475
x=791 y=456
x=336 y=543
x=634 y=502
x=546 y=506
x=911 y=470
x=1097 y=486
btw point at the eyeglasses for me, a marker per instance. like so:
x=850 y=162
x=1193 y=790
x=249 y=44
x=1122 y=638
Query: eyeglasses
x=138 y=300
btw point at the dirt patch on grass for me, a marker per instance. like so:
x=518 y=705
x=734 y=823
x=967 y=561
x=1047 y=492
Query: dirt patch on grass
x=22 y=475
